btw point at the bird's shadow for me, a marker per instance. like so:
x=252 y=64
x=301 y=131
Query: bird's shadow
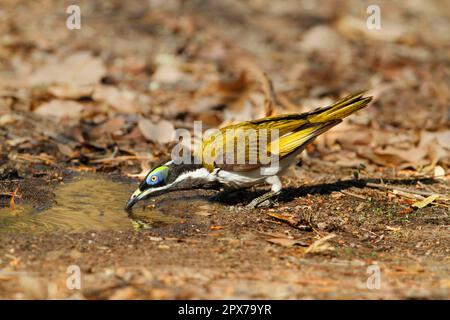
x=291 y=193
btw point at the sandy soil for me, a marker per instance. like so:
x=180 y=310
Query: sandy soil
x=219 y=250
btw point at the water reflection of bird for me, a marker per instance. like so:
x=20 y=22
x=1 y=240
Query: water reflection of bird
x=236 y=156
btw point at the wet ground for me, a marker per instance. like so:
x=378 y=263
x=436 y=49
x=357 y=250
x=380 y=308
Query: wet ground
x=192 y=245
x=85 y=203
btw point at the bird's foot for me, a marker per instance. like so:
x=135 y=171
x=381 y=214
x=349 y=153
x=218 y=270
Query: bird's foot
x=266 y=200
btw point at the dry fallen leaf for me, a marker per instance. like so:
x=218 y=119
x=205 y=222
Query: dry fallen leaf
x=168 y=74
x=286 y=242
x=289 y=220
x=321 y=245
x=32 y=287
x=127 y=293
x=353 y=27
x=78 y=69
x=423 y=203
x=125 y=101
x=161 y=132
x=9 y=118
x=169 y=69
x=322 y=39
x=110 y=127
x=65 y=150
x=12 y=201
x=70 y=91
x=439 y=172
x=145 y=168
x=60 y=109
x=406 y=211
x=393 y=229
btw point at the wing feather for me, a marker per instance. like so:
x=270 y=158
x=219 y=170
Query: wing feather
x=284 y=135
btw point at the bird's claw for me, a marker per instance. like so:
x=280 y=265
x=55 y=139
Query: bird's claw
x=262 y=201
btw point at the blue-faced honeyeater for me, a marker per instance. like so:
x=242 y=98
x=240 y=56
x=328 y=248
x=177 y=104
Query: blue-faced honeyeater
x=294 y=133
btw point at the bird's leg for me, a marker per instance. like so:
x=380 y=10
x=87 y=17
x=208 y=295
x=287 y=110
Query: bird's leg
x=257 y=202
x=276 y=188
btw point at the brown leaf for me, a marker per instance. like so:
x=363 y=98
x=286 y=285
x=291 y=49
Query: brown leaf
x=167 y=74
x=60 y=109
x=66 y=150
x=111 y=126
x=321 y=245
x=161 y=132
x=289 y=220
x=78 y=69
x=354 y=27
x=286 y=242
x=70 y=91
x=406 y=211
x=169 y=70
x=124 y=101
x=323 y=39
x=439 y=172
x=14 y=194
x=9 y=118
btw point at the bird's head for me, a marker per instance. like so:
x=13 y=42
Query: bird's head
x=169 y=177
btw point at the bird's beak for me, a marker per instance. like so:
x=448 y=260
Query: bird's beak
x=138 y=195
x=135 y=197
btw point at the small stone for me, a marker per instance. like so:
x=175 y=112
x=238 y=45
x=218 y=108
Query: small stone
x=322 y=225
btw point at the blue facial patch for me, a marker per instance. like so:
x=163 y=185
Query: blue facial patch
x=157 y=176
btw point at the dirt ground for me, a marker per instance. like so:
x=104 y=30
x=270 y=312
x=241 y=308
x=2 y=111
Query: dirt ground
x=220 y=250
x=95 y=107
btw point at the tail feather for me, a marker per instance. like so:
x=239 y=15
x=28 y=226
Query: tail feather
x=341 y=108
x=317 y=122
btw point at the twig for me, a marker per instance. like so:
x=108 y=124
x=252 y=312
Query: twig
x=426 y=187
x=12 y=201
x=358 y=196
x=413 y=191
x=408 y=195
x=290 y=221
x=270 y=97
x=121 y=158
x=288 y=105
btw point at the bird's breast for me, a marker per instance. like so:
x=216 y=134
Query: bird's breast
x=239 y=179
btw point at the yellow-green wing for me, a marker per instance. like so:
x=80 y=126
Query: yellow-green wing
x=284 y=134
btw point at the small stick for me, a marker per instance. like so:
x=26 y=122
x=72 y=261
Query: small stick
x=408 y=195
x=121 y=158
x=270 y=97
x=290 y=221
x=414 y=191
x=358 y=196
x=426 y=187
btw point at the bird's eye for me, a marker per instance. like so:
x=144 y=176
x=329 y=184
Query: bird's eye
x=154 y=178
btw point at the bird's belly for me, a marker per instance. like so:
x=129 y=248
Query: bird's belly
x=240 y=179
x=246 y=179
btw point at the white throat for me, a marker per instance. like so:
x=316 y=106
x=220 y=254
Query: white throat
x=198 y=175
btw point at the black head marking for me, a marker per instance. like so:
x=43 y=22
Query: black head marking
x=177 y=169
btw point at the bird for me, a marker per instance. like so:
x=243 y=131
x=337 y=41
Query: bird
x=210 y=166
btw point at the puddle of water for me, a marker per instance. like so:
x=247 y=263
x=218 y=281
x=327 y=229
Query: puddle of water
x=86 y=203
x=175 y=208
